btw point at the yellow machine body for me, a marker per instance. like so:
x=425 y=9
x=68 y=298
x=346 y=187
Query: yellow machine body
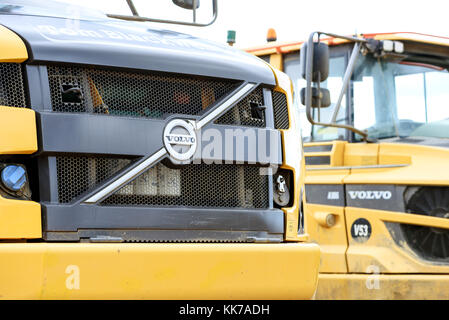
x=381 y=267
x=157 y=271
x=33 y=269
x=384 y=266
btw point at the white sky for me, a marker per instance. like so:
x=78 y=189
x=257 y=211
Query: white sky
x=295 y=19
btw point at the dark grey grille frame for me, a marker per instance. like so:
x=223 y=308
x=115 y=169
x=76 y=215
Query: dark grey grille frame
x=12 y=88
x=196 y=185
x=280 y=110
x=69 y=220
x=134 y=93
x=240 y=115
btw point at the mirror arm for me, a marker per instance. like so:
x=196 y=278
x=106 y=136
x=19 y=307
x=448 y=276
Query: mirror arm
x=351 y=39
x=308 y=97
x=347 y=79
x=194 y=10
x=144 y=19
x=132 y=7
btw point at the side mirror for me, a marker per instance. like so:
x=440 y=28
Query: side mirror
x=320 y=69
x=321 y=98
x=314 y=68
x=187 y=4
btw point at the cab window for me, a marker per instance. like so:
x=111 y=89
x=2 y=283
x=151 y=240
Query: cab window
x=337 y=67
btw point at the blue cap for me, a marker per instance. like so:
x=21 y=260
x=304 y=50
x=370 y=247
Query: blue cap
x=14 y=177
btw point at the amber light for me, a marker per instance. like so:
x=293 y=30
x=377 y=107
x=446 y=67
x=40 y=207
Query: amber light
x=271 y=35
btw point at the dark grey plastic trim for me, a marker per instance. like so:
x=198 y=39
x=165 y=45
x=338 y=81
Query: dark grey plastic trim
x=362 y=196
x=72 y=218
x=48 y=188
x=318 y=160
x=326 y=194
x=269 y=111
x=108 y=236
x=321 y=148
x=98 y=134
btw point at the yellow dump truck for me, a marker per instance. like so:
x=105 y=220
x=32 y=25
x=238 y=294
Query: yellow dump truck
x=375 y=124
x=121 y=175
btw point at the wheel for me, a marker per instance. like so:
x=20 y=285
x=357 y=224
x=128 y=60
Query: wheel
x=429 y=243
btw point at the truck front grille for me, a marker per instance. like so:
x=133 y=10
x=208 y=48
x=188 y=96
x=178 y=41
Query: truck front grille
x=12 y=92
x=132 y=94
x=195 y=185
x=244 y=113
x=280 y=110
x=77 y=175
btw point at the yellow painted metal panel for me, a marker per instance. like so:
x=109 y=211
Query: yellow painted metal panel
x=381 y=251
x=287 y=47
x=416 y=37
x=423 y=165
x=20 y=219
x=332 y=240
x=158 y=271
x=276 y=60
x=293 y=157
x=361 y=154
x=18 y=133
x=13 y=48
x=326 y=176
x=387 y=287
x=261 y=52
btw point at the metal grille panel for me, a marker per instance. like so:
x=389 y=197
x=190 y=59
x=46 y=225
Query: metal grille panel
x=132 y=94
x=196 y=185
x=242 y=114
x=12 y=92
x=280 y=110
x=77 y=175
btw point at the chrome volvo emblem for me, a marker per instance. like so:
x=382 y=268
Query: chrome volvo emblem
x=180 y=139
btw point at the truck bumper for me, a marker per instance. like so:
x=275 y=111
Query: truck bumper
x=382 y=286
x=158 y=271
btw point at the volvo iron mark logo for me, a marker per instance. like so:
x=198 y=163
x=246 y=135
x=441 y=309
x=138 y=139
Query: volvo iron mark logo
x=180 y=139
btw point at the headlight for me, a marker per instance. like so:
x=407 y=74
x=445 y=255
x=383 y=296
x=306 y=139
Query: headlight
x=13 y=177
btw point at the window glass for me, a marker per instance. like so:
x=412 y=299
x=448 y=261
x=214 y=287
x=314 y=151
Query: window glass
x=334 y=83
x=400 y=99
x=265 y=58
x=292 y=68
x=437 y=94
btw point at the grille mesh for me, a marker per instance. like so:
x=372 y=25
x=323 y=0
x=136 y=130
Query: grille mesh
x=196 y=185
x=280 y=110
x=12 y=92
x=132 y=94
x=77 y=175
x=242 y=113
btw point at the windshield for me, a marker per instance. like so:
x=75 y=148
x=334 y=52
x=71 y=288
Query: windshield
x=400 y=99
x=387 y=98
x=337 y=66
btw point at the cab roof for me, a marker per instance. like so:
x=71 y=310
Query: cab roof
x=286 y=47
